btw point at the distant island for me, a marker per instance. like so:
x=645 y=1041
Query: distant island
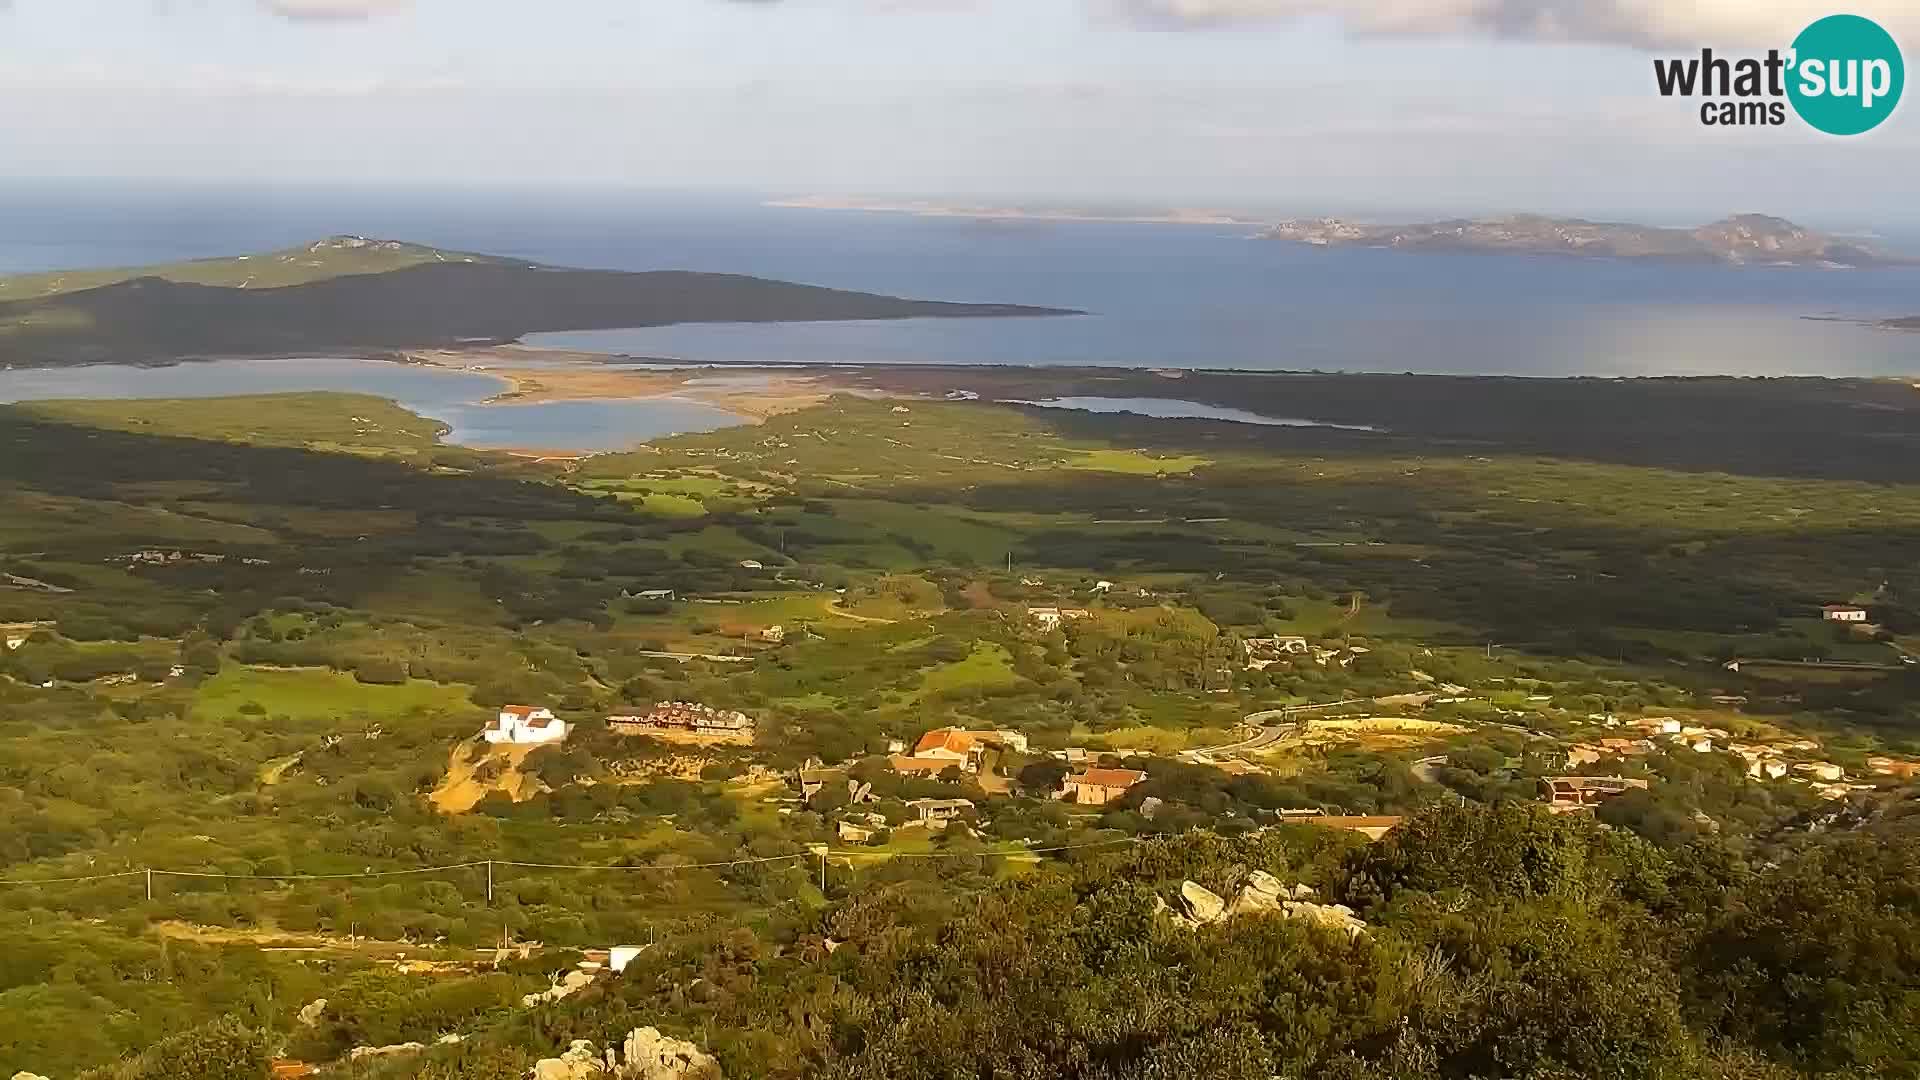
x=350 y=295
x=1741 y=240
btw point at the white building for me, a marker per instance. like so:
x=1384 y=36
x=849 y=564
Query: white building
x=1846 y=613
x=525 y=725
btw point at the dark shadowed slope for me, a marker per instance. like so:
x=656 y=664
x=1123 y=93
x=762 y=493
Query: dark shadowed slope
x=150 y=319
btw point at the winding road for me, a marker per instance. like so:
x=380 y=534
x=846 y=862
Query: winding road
x=1274 y=725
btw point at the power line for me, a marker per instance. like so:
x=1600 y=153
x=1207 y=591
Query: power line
x=321 y=877
x=69 y=880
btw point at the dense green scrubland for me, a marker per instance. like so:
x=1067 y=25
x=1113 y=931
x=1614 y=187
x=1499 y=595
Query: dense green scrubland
x=258 y=649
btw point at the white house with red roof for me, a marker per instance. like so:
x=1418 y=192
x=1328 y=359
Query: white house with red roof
x=525 y=725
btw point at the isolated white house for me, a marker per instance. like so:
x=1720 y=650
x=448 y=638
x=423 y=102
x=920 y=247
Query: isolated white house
x=1844 y=613
x=525 y=725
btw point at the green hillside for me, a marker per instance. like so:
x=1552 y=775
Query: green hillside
x=322 y=259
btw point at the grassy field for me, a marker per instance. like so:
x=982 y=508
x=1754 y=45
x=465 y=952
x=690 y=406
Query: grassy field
x=323 y=421
x=315 y=695
x=318 y=261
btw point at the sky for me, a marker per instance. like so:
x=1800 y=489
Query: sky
x=1275 y=106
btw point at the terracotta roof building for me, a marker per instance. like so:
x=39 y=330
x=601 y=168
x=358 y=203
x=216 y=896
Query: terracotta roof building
x=1098 y=787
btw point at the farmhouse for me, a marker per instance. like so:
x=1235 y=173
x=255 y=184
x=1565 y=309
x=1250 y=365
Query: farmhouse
x=1265 y=652
x=1050 y=618
x=656 y=594
x=1843 y=613
x=944 y=748
x=933 y=811
x=1821 y=770
x=1565 y=794
x=525 y=725
x=1098 y=787
x=687 y=718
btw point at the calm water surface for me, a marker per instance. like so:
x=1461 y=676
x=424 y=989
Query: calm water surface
x=1169 y=409
x=452 y=397
x=1157 y=295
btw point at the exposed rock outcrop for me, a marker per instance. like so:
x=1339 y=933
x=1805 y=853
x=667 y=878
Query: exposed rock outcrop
x=311 y=1012
x=1262 y=892
x=646 y=1055
x=580 y=1062
x=649 y=1055
x=571 y=983
x=1202 y=904
x=361 y=1053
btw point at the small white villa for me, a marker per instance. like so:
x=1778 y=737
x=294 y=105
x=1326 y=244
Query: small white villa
x=525 y=725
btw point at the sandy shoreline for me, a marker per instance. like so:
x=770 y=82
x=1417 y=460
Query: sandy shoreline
x=751 y=393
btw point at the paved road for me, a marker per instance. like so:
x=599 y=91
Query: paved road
x=683 y=657
x=1274 y=725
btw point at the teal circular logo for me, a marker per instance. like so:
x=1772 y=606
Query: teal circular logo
x=1846 y=75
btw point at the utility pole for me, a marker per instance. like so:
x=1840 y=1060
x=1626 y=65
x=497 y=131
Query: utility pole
x=149 y=885
x=489 y=882
x=823 y=874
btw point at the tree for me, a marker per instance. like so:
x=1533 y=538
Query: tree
x=223 y=1050
x=1819 y=958
x=1043 y=775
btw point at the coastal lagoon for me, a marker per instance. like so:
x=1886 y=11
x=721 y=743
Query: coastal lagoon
x=1173 y=409
x=456 y=398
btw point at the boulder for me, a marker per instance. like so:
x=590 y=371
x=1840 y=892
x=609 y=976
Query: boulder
x=649 y=1055
x=23 y=1075
x=1202 y=904
x=571 y=982
x=1265 y=884
x=360 y=1053
x=580 y=1062
x=1335 y=916
x=311 y=1012
x=1251 y=899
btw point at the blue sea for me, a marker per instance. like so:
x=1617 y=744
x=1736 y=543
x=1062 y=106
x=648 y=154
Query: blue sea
x=1156 y=295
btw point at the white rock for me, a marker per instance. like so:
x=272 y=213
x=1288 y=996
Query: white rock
x=360 y=1052
x=650 y=1055
x=311 y=1012
x=1202 y=904
x=1264 y=883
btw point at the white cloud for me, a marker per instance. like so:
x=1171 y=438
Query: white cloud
x=1633 y=22
x=332 y=10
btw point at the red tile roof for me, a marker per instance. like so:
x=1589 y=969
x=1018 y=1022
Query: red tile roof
x=925 y=765
x=521 y=711
x=1108 y=778
x=950 y=739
